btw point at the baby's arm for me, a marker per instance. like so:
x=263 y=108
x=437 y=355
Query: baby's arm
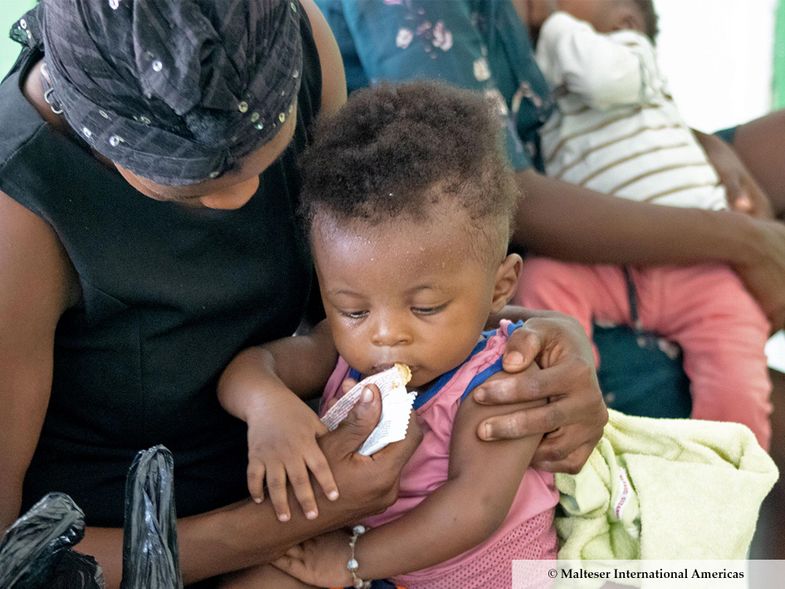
x=483 y=480
x=261 y=386
x=301 y=364
x=603 y=72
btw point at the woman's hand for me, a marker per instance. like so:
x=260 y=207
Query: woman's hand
x=744 y=194
x=369 y=484
x=575 y=415
x=764 y=273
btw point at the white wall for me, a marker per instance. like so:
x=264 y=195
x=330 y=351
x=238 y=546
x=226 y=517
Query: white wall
x=717 y=55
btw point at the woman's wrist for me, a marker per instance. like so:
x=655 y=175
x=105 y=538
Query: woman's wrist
x=245 y=534
x=738 y=239
x=214 y=543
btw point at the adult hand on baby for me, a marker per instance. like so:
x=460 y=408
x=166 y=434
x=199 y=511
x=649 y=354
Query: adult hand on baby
x=743 y=193
x=764 y=272
x=575 y=415
x=368 y=484
x=319 y=561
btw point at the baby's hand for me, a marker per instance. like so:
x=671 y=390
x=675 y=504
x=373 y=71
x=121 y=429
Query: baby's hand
x=282 y=445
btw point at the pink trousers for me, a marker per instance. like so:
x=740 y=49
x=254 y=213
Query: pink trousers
x=705 y=309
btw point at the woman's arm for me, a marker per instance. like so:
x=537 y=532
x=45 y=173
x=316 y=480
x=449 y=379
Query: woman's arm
x=604 y=229
x=333 y=76
x=38 y=284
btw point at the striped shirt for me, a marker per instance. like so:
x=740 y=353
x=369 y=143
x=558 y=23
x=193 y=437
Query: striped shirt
x=617 y=130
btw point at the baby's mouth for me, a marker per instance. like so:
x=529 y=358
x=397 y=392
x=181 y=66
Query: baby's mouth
x=376 y=368
x=381 y=367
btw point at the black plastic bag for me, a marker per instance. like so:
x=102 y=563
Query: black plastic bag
x=35 y=552
x=76 y=571
x=150 y=555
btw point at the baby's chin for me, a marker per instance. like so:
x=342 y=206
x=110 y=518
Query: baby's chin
x=422 y=378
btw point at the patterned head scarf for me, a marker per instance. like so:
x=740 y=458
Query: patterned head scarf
x=177 y=91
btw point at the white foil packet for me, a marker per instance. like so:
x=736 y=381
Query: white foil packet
x=397 y=405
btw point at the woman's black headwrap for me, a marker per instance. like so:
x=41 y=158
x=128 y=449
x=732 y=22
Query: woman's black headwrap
x=176 y=91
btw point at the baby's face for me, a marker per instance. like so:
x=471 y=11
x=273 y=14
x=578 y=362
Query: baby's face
x=603 y=15
x=402 y=291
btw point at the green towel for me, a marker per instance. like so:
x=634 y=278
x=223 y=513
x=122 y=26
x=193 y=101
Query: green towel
x=665 y=489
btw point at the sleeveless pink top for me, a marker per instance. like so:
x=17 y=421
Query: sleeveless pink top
x=526 y=533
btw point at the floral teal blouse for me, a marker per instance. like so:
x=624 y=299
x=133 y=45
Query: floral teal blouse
x=476 y=44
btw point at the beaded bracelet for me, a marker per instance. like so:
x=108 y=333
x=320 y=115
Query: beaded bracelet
x=352 y=565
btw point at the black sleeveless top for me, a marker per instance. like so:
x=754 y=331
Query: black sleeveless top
x=169 y=295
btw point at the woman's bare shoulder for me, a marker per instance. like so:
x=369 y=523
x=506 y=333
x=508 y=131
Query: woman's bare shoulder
x=333 y=75
x=32 y=260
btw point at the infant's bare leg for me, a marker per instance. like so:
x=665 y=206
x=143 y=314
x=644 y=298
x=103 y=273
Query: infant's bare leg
x=261 y=577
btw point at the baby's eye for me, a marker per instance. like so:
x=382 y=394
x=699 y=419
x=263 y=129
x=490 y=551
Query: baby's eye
x=354 y=314
x=428 y=310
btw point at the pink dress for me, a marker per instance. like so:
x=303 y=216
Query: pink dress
x=526 y=533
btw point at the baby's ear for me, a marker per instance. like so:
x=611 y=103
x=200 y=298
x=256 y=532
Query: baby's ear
x=506 y=281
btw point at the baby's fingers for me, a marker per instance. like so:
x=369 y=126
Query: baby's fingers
x=276 y=489
x=301 y=485
x=255 y=476
x=318 y=465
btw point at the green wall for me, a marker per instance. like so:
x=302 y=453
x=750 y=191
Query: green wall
x=10 y=10
x=778 y=100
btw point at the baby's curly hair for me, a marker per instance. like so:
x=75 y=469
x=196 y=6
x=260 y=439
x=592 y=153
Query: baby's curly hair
x=396 y=150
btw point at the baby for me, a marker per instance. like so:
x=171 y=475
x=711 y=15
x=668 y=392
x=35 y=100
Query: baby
x=408 y=202
x=617 y=131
